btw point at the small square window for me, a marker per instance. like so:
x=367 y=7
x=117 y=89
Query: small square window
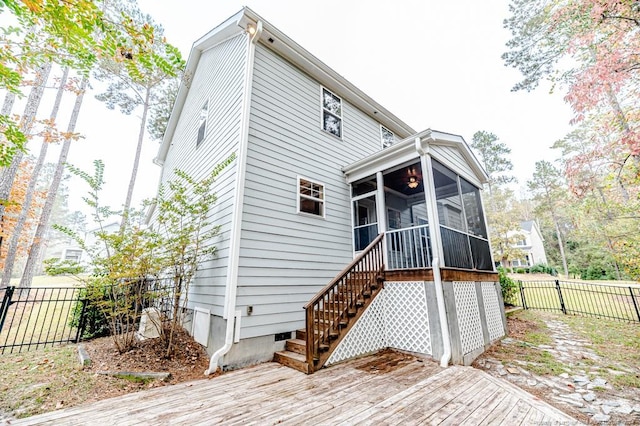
x=310 y=197
x=387 y=137
x=202 y=123
x=331 y=113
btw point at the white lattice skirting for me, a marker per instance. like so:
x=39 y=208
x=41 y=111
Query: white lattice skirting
x=468 y=313
x=397 y=318
x=492 y=311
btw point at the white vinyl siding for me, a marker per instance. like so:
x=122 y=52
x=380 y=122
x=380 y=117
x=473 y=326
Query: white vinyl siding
x=286 y=257
x=217 y=83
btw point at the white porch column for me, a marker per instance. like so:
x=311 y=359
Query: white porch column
x=381 y=209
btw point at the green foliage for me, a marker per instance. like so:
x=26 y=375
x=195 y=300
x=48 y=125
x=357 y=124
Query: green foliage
x=122 y=264
x=543 y=269
x=494 y=157
x=508 y=287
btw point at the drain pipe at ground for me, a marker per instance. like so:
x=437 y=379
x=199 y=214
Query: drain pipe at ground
x=444 y=325
x=231 y=314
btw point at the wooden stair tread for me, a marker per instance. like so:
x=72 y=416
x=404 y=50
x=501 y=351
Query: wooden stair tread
x=297 y=346
x=292 y=360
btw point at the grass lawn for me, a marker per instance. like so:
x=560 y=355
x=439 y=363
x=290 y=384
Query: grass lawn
x=597 y=299
x=48 y=281
x=42 y=380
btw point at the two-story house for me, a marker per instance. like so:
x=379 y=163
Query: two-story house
x=343 y=230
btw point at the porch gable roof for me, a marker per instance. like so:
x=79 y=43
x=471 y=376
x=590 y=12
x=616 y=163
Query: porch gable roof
x=407 y=150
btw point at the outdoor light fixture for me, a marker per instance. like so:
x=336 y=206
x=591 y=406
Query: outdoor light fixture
x=251 y=29
x=413 y=182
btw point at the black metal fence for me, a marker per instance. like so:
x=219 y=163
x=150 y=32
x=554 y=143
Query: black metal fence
x=32 y=318
x=37 y=317
x=619 y=302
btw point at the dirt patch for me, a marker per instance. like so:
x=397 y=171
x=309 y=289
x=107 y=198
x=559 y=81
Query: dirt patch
x=189 y=361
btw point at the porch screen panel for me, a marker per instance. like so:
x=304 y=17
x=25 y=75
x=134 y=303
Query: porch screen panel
x=473 y=209
x=462 y=224
x=448 y=198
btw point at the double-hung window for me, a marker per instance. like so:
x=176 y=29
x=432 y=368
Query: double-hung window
x=331 y=113
x=202 y=124
x=387 y=137
x=310 y=197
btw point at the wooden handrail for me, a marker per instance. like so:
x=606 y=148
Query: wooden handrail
x=331 y=307
x=345 y=271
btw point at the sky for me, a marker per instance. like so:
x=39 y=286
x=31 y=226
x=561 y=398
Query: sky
x=434 y=64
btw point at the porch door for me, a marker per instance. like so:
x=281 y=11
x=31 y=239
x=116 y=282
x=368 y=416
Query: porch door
x=365 y=221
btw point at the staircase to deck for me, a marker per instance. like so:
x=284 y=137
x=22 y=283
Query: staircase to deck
x=334 y=310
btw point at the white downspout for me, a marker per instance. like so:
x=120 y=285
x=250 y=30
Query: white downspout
x=230 y=313
x=432 y=210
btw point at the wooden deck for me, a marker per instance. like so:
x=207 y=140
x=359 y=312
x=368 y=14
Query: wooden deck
x=384 y=389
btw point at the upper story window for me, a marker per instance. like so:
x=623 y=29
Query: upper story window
x=387 y=137
x=310 y=197
x=202 y=126
x=331 y=113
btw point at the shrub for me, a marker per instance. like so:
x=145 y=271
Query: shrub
x=508 y=286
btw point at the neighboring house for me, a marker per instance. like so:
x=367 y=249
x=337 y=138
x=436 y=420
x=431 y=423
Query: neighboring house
x=532 y=245
x=321 y=171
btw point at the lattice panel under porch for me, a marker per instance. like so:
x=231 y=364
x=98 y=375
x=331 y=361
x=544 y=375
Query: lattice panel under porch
x=468 y=314
x=406 y=319
x=366 y=336
x=492 y=311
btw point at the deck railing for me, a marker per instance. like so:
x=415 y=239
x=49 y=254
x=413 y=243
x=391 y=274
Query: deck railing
x=466 y=251
x=331 y=308
x=408 y=248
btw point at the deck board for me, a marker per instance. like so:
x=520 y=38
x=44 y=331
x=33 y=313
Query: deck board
x=383 y=389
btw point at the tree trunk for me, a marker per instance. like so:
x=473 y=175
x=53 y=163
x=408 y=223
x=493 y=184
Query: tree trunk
x=7 y=107
x=26 y=205
x=30 y=110
x=561 y=245
x=136 y=161
x=43 y=224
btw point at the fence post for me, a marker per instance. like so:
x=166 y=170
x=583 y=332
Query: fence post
x=564 y=308
x=83 y=313
x=6 y=302
x=633 y=298
x=524 y=301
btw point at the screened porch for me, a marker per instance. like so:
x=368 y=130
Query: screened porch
x=409 y=202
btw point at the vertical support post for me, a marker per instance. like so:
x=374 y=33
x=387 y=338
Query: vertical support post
x=524 y=300
x=562 y=306
x=633 y=298
x=6 y=302
x=83 y=313
x=311 y=345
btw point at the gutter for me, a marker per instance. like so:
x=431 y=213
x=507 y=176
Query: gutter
x=432 y=210
x=230 y=313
